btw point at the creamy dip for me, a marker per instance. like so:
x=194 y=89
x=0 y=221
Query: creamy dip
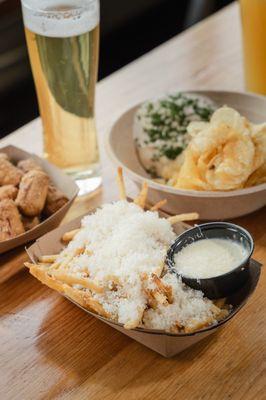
x=160 y=130
x=207 y=258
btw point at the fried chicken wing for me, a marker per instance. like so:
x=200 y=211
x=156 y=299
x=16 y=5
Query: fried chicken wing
x=8 y=192
x=10 y=222
x=28 y=165
x=32 y=193
x=54 y=201
x=9 y=174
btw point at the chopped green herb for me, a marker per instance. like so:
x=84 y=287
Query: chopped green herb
x=165 y=122
x=171 y=152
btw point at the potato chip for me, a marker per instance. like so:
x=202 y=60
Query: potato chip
x=189 y=176
x=229 y=116
x=219 y=157
x=226 y=153
x=258 y=134
x=231 y=168
x=258 y=177
x=195 y=127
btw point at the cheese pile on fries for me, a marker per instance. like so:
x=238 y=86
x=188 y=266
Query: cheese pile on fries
x=227 y=153
x=114 y=266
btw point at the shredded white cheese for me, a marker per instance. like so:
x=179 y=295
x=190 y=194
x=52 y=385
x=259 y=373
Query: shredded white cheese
x=125 y=248
x=123 y=240
x=189 y=309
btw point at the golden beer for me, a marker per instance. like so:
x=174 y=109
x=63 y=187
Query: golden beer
x=63 y=45
x=253 y=14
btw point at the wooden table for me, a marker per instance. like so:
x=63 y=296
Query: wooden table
x=51 y=349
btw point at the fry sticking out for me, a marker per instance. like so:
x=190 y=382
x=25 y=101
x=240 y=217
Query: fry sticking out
x=140 y=200
x=121 y=184
x=71 y=279
x=68 y=236
x=183 y=217
x=29 y=265
x=158 y=205
x=48 y=259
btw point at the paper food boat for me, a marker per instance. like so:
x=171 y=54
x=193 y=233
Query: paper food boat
x=61 y=181
x=166 y=344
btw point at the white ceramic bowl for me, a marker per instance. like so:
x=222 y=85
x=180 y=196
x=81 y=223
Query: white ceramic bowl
x=210 y=205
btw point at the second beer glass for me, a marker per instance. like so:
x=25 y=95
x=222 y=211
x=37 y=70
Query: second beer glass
x=253 y=14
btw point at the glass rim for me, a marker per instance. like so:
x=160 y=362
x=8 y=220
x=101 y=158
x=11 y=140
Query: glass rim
x=60 y=12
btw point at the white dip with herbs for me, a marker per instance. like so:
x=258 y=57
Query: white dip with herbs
x=160 y=130
x=208 y=258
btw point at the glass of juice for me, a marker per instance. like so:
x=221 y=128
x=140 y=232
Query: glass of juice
x=63 y=44
x=253 y=13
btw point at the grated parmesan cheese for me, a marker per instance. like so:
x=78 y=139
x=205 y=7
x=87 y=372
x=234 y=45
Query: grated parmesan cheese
x=125 y=247
x=189 y=309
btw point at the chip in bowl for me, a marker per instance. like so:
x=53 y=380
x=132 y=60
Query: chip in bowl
x=223 y=153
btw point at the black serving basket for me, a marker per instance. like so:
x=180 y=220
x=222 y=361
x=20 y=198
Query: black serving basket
x=222 y=285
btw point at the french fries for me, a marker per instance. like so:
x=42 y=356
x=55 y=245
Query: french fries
x=48 y=259
x=140 y=200
x=158 y=205
x=68 y=236
x=80 y=297
x=183 y=217
x=59 y=272
x=121 y=184
x=41 y=274
x=71 y=279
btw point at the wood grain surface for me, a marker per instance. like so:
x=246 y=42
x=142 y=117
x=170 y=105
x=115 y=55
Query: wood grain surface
x=51 y=349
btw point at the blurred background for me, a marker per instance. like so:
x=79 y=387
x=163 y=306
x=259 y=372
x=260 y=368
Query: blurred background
x=129 y=29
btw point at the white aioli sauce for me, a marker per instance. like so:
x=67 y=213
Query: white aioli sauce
x=207 y=258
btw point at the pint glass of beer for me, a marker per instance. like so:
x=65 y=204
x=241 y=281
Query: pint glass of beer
x=63 y=43
x=253 y=13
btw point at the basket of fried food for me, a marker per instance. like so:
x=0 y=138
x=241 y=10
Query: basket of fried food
x=111 y=264
x=34 y=197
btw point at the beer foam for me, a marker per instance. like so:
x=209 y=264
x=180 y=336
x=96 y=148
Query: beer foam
x=63 y=18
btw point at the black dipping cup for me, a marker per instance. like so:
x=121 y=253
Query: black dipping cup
x=221 y=285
